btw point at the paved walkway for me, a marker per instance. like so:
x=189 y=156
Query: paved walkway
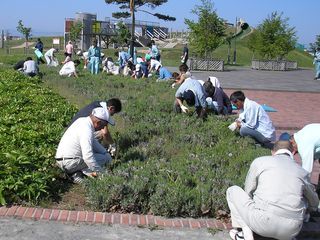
x=295 y=96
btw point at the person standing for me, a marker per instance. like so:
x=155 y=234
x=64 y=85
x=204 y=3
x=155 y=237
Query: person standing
x=94 y=54
x=276 y=196
x=316 y=62
x=68 y=52
x=185 y=54
x=39 y=47
x=253 y=121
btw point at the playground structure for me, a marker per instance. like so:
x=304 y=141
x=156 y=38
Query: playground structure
x=103 y=31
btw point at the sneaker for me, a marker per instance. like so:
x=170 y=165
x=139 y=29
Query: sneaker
x=77 y=178
x=236 y=235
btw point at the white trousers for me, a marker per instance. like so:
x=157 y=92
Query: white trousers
x=245 y=213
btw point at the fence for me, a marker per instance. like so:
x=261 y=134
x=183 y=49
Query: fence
x=274 y=65
x=206 y=64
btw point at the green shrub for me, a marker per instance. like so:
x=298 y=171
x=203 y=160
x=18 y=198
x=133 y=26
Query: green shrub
x=31 y=123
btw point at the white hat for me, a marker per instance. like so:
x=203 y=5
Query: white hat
x=102 y=114
x=79 y=53
x=102 y=54
x=215 y=82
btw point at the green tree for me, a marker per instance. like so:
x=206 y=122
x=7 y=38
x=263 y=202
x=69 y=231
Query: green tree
x=130 y=7
x=208 y=33
x=123 y=35
x=25 y=31
x=316 y=44
x=273 y=38
x=75 y=31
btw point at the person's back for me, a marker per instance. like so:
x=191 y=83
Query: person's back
x=30 y=67
x=86 y=111
x=164 y=73
x=19 y=65
x=281 y=181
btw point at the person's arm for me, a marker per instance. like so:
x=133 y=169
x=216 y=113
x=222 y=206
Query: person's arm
x=251 y=182
x=106 y=136
x=311 y=195
x=86 y=144
x=250 y=117
x=306 y=151
x=219 y=98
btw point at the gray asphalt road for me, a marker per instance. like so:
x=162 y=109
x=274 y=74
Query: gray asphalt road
x=300 y=80
x=17 y=229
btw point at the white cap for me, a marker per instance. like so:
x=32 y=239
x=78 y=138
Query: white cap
x=215 y=82
x=102 y=54
x=102 y=114
x=79 y=53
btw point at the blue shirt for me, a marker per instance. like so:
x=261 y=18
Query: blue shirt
x=94 y=52
x=196 y=87
x=164 y=73
x=123 y=58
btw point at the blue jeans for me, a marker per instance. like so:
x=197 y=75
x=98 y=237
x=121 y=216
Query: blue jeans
x=245 y=131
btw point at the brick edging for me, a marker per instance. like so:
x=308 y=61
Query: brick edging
x=109 y=218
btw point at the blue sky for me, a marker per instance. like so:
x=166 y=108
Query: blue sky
x=47 y=17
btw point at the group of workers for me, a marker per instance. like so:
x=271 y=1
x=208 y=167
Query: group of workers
x=278 y=194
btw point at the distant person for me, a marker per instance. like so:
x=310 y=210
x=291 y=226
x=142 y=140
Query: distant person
x=79 y=152
x=94 y=54
x=39 y=47
x=164 y=74
x=134 y=57
x=85 y=57
x=316 y=62
x=123 y=58
x=109 y=66
x=69 y=69
x=51 y=58
x=30 y=67
x=154 y=51
x=185 y=54
x=253 y=121
x=68 y=52
x=276 y=196
x=217 y=99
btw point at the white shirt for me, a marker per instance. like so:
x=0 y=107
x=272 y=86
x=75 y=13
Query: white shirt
x=79 y=142
x=67 y=68
x=30 y=66
x=154 y=64
x=308 y=143
x=253 y=116
x=50 y=52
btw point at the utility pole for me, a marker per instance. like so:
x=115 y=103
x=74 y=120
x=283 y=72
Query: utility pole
x=235 y=42
x=132 y=28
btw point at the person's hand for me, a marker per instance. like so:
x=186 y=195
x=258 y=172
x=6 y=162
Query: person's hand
x=238 y=123
x=184 y=109
x=112 y=150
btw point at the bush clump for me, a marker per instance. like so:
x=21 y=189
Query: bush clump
x=32 y=121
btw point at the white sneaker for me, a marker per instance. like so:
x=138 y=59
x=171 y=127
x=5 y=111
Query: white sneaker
x=77 y=177
x=247 y=233
x=236 y=235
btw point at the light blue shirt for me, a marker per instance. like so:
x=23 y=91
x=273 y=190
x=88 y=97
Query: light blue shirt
x=196 y=87
x=164 y=74
x=253 y=116
x=308 y=143
x=94 y=52
x=123 y=58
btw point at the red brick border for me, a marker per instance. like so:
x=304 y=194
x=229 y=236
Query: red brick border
x=109 y=218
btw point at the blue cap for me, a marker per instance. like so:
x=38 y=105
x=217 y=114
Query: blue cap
x=284 y=136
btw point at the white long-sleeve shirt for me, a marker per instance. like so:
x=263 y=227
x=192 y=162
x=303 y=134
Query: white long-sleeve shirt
x=79 y=142
x=308 y=143
x=253 y=116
